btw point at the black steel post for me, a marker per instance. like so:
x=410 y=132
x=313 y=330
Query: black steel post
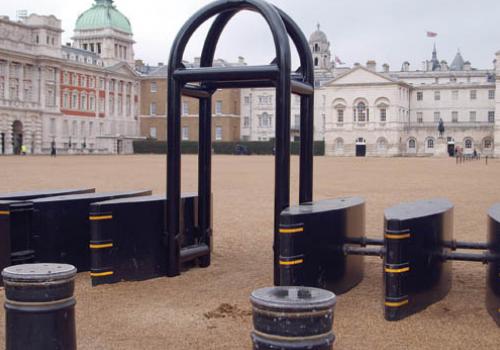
x=40 y=307
x=205 y=175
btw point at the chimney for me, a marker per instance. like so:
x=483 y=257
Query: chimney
x=406 y=66
x=467 y=66
x=357 y=64
x=68 y=44
x=371 y=65
x=139 y=63
x=386 y=68
x=444 y=65
x=160 y=64
x=241 y=60
x=197 y=60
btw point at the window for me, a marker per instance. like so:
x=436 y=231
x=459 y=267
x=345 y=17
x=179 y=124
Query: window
x=66 y=100
x=185 y=133
x=218 y=133
x=152 y=133
x=340 y=115
x=454 y=95
x=247 y=99
x=52 y=126
x=83 y=81
x=472 y=116
x=65 y=128
x=66 y=78
x=185 y=108
x=491 y=116
x=361 y=111
x=101 y=104
x=454 y=117
x=420 y=117
x=468 y=143
x=430 y=143
x=91 y=128
x=83 y=102
x=437 y=95
x=152 y=108
x=412 y=144
x=74 y=100
x=112 y=105
x=473 y=94
x=437 y=116
x=383 y=115
x=265 y=100
x=246 y=122
x=265 y=120
x=491 y=94
x=218 y=107
x=296 y=122
x=92 y=103
x=74 y=79
x=487 y=143
x=102 y=84
x=420 y=96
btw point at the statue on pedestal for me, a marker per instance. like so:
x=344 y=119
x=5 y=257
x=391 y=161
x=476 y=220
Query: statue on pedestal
x=441 y=127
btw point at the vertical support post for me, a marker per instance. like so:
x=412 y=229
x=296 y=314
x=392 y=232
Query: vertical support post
x=396 y=269
x=282 y=158
x=173 y=177
x=205 y=175
x=306 y=148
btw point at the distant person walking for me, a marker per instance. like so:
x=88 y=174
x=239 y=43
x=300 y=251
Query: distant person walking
x=475 y=153
x=53 y=149
x=24 y=150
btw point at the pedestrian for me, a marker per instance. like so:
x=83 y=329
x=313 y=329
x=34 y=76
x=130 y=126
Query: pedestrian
x=53 y=148
x=475 y=153
x=23 y=150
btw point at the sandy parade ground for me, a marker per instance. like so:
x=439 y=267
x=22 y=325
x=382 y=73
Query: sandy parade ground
x=209 y=308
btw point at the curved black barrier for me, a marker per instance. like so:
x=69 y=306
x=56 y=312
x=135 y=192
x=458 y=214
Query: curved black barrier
x=416 y=275
x=127 y=243
x=61 y=227
x=493 y=277
x=312 y=239
x=208 y=79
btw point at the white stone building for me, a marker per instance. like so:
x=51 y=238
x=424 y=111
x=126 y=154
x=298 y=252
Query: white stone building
x=82 y=97
x=366 y=111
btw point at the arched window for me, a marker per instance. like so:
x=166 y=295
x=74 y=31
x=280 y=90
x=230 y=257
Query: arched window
x=430 y=143
x=340 y=115
x=83 y=102
x=412 y=144
x=488 y=143
x=339 y=144
x=316 y=61
x=468 y=143
x=361 y=111
x=381 y=144
x=265 y=120
x=316 y=47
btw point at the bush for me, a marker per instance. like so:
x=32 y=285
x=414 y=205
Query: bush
x=191 y=147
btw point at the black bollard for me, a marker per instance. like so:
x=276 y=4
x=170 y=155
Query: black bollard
x=40 y=307
x=293 y=318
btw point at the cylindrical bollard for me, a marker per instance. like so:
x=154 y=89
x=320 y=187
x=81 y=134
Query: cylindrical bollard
x=40 y=307
x=293 y=318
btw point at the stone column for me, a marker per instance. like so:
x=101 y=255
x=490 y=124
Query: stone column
x=57 y=88
x=27 y=133
x=497 y=107
x=8 y=137
x=42 y=86
x=7 y=81
x=37 y=126
x=21 y=82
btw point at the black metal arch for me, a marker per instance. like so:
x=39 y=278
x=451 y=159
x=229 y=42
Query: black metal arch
x=208 y=79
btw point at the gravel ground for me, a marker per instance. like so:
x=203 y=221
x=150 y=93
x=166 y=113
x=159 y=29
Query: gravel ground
x=209 y=308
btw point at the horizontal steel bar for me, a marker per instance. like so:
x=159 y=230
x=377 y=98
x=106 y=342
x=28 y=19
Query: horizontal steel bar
x=248 y=84
x=195 y=91
x=350 y=250
x=193 y=252
x=484 y=257
x=364 y=241
x=301 y=88
x=240 y=73
x=454 y=245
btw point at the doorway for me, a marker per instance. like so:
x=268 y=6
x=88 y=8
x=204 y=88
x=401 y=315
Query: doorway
x=451 y=149
x=2 y=142
x=17 y=136
x=360 y=147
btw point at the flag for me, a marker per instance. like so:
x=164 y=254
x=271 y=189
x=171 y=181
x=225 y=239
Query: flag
x=338 y=60
x=431 y=35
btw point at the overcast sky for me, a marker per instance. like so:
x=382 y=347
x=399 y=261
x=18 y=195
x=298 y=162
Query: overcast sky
x=388 y=31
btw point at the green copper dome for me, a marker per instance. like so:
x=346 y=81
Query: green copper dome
x=103 y=14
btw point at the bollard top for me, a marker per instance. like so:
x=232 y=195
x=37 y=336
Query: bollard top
x=39 y=272
x=293 y=298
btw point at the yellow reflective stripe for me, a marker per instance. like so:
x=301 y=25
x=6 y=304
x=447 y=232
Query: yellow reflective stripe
x=292 y=262
x=390 y=236
x=396 y=303
x=102 y=217
x=101 y=246
x=4 y=212
x=292 y=230
x=404 y=269
x=101 y=274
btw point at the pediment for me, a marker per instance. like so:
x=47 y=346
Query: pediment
x=123 y=69
x=361 y=75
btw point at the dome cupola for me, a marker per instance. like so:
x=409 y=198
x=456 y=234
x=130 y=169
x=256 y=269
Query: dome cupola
x=103 y=14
